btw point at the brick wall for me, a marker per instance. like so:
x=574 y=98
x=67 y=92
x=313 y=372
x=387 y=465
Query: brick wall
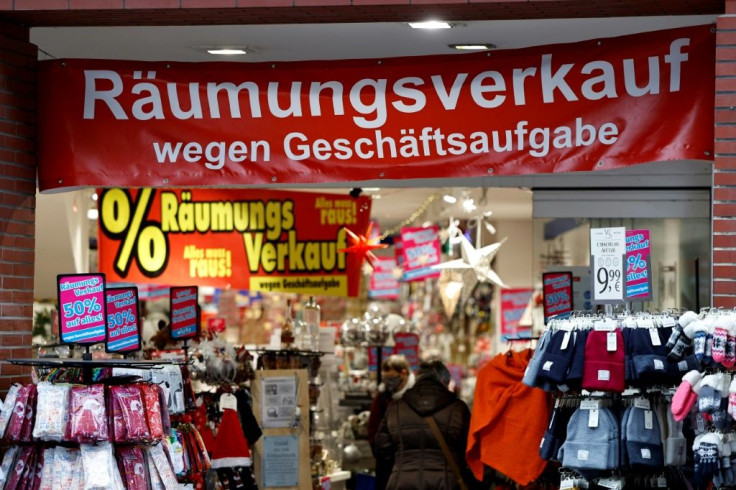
x=17 y=197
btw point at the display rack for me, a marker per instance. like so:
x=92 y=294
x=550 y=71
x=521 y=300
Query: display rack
x=87 y=365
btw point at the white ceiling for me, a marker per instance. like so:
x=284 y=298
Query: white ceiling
x=329 y=41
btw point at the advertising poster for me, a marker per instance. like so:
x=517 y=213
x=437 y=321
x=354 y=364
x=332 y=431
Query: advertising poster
x=384 y=284
x=513 y=305
x=407 y=344
x=557 y=294
x=278 y=401
x=184 y=315
x=81 y=308
x=638 y=266
x=258 y=240
x=421 y=250
x=123 y=320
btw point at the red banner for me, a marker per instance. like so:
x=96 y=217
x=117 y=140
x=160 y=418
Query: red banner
x=592 y=105
x=256 y=240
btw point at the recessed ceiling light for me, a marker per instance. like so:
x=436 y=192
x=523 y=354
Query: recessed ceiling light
x=473 y=47
x=226 y=51
x=371 y=189
x=430 y=24
x=449 y=199
x=93 y=213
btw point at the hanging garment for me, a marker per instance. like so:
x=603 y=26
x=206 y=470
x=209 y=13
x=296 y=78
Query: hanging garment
x=508 y=420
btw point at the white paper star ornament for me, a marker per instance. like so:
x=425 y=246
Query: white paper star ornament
x=477 y=259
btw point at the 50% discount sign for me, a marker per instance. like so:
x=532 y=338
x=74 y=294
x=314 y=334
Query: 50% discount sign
x=81 y=308
x=608 y=252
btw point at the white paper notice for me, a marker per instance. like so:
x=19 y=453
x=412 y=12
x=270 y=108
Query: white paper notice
x=278 y=401
x=608 y=248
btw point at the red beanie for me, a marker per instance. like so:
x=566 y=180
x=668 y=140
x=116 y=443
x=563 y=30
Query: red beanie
x=604 y=361
x=231 y=448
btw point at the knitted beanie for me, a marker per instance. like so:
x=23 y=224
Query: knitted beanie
x=575 y=373
x=531 y=374
x=649 y=360
x=643 y=439
x=604 y=369
x=558 y=356
x=591 y=448
x=556 y=433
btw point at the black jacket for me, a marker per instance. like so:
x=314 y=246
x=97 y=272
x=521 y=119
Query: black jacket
x=405 y=437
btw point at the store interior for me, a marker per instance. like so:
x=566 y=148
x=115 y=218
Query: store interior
x=541 y=223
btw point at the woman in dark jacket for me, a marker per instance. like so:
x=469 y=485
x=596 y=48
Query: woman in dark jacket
x=405 y=435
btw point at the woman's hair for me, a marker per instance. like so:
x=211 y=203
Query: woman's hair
x=395 y=362
x=435 y=370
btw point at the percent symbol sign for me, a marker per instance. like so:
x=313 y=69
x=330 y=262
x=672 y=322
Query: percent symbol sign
x=92 y=305
x=636 y=262
x=140 y=239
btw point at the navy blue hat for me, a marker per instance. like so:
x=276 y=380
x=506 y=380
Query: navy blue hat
x=643 y=438
x=556 y=360
x=575 y=373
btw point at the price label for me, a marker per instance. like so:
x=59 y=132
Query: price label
x=608 y=251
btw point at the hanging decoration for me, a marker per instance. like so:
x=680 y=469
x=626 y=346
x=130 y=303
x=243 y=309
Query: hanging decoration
x=363 y=245
x=478 y=260
x=450 y=285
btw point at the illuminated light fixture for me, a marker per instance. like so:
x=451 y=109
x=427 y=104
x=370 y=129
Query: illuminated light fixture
x=93 y=213
x=449 y=199
x=94 y=196
x=226 y=51
x=473 y=47
x=430 y=24
x=371 y=189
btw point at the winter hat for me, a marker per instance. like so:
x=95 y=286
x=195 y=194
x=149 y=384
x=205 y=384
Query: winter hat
x=643 y=438
x=686 y=395
x=630 y=373
x=649 y=355
x=531 y=374
x=555 y=434
x=591 y=448
x=675 y=445
x=575 y=373
x=677 y=369
x=558 y=356
x=604 y=361
x=231 y=448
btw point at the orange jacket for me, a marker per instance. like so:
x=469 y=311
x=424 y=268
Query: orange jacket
x=508 y=420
